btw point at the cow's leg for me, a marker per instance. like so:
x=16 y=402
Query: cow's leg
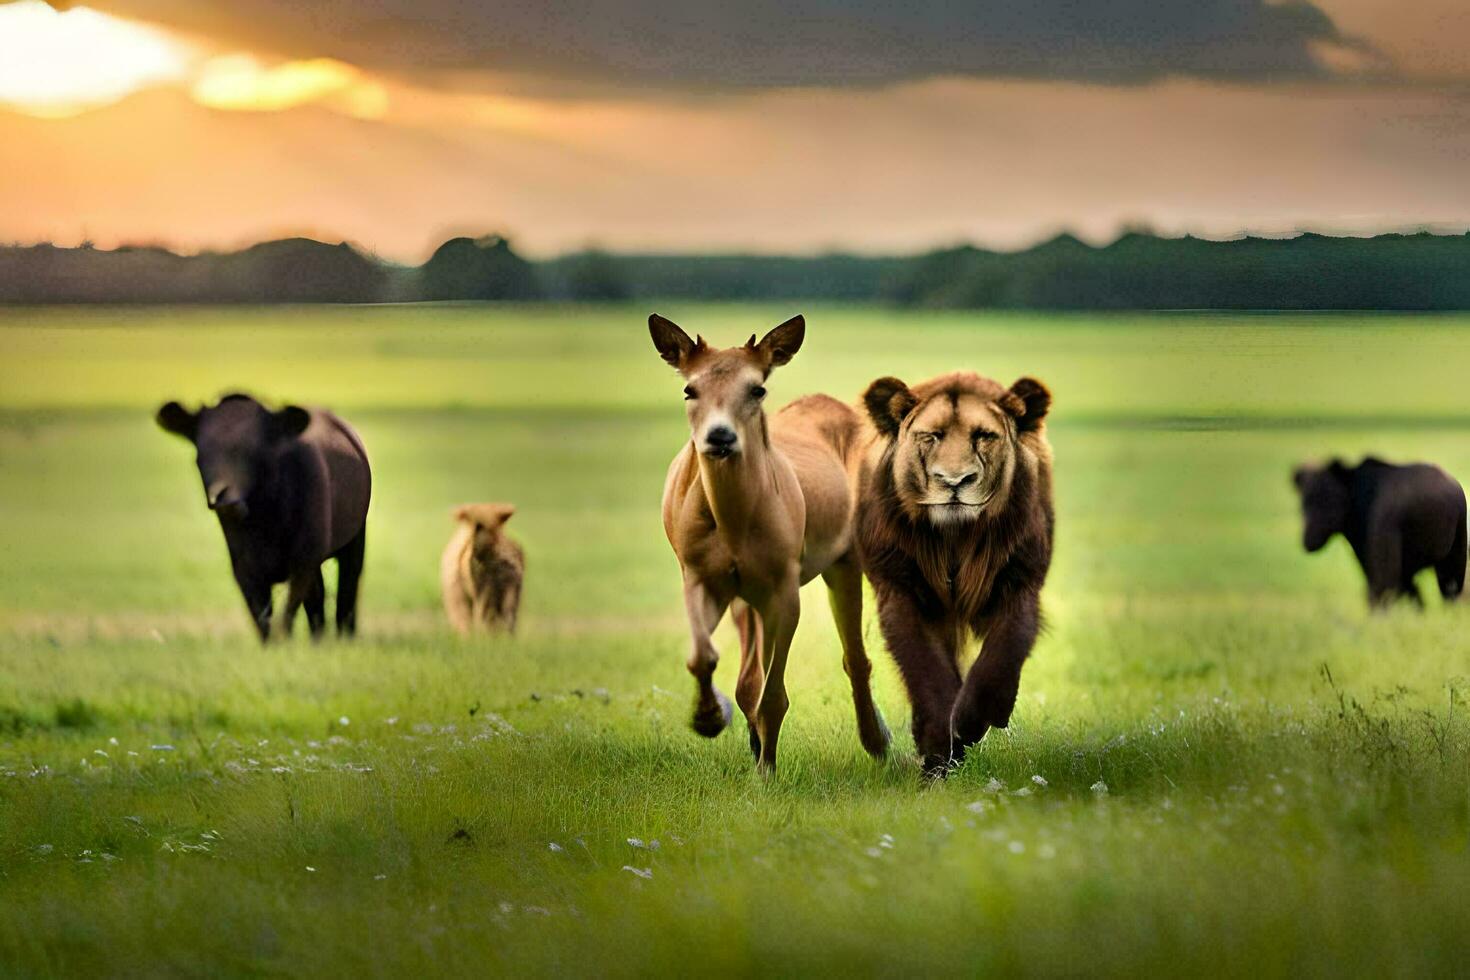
x=779 y=615
x=303 y=587
x=711 y=708
x=349 y=576
x=315 y=603
x=752 y=677
x=989 y=692
x=257 y=595
x=845 y=592
x=1451 y=568
x=926 y=659
x=1385 y=567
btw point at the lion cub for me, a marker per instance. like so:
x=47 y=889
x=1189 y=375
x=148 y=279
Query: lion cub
x=482 y=569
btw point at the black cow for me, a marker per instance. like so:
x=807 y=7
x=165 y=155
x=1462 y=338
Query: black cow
x=291 y=490
x=1398 y=519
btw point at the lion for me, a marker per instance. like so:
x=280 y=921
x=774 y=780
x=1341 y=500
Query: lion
x=954 y=530
x=481 y=571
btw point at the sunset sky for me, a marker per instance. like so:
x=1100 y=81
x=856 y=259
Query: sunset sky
x=700 y=125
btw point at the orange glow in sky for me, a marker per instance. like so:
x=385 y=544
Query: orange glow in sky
x=57 y=64
x=240 y=82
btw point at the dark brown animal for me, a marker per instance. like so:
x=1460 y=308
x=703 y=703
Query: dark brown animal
x=755 y=508
x=481 y=571
x=954 y=531
x=291 y=490
x=1399 y=521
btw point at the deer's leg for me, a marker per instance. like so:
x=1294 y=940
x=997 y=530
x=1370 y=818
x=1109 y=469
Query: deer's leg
x=712 y=709
x=779 y=616
x=752 y=676
x=845 y=592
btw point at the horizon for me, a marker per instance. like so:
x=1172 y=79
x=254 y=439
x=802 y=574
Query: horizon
x=787 y=132
x=817 y=253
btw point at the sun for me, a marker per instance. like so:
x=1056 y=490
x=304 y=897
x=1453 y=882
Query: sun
x=60 y=63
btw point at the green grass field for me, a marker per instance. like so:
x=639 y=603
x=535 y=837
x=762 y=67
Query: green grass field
x=1220 y=763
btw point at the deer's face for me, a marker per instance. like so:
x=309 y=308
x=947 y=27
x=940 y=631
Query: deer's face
x=723 y=400
x=724 y=388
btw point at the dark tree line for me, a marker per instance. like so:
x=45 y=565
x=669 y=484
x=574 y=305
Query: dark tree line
x=1138 y=271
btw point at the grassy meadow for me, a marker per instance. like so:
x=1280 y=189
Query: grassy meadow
x=1220 y=762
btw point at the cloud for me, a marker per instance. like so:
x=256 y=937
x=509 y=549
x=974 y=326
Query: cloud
x=714 y=45
x=240 y=83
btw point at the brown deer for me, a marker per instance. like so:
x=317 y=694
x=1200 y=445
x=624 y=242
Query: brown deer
x=755 y=508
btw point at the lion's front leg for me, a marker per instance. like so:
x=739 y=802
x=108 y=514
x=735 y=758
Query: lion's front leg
x=989 y=692
x=927 y=664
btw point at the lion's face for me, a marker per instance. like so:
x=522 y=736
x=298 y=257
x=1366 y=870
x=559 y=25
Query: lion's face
x=956 y=441
x=952 y=456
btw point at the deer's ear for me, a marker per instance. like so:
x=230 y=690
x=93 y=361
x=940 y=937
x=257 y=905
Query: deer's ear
x=888 y=401
x=672 y=343
x=780 y=345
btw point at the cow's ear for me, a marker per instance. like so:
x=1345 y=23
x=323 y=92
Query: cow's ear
x=1028 y=401
x=888 y=401
x=175 y=418
x=1340 y=471
x=290 y=421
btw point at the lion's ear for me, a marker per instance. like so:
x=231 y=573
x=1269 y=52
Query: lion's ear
x=1028 y=401
x=888 y=401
